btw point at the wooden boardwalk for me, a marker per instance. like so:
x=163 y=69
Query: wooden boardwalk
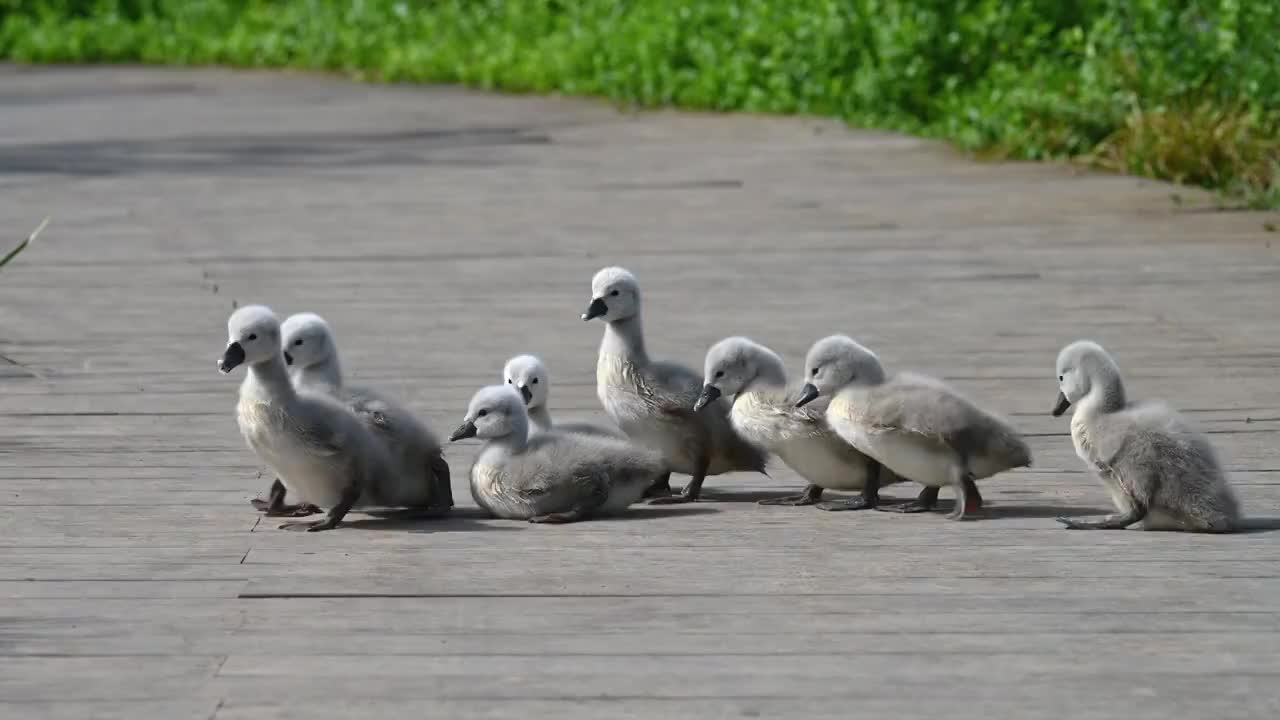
x=441 y=231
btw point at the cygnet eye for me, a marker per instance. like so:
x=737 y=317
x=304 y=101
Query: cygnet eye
x=814 y=372
x=508 y=381
x=535 y=381
x=1059 y=378
x=719 y=373
x=615 y=293
x=297 y=343
x=482 y=413
x=253 y=336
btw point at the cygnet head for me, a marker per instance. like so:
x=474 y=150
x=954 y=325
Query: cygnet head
x=528 y=376
x=834 y=362
x=495 y=411
x=615 y=295
x=1083 y=368
x=307 y=340
x=253 y=336
x=732 y=365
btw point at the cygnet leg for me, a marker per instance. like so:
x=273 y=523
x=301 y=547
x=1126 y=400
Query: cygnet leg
x=693 y=490
x=961 y=482
x=975 y=497
x=1118 y=521
x=660 y=488
x=811 y=495
x=336 y=513
x=924 y=502
x=274 y=505
x=868 y=499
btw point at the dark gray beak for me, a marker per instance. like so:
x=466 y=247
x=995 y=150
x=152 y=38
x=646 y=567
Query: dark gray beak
x=595 y=309
x=526 y=393
x=808 y=394
x=1062 y=404
x=232 y=357
x=288 y=359
x=465 y=430
x=710 y=393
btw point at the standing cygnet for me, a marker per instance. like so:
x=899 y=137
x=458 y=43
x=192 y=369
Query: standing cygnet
x=422 y=475
x=1157 y=468
x=529 y=376
x=653 y=401
x=551 y=477
x=762 y=413
x=315 y=445
x=914 y=425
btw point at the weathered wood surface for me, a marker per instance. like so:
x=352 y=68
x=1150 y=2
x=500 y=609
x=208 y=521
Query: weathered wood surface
x=440 y=232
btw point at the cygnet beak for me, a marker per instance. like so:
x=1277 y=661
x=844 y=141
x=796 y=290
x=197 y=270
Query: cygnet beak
x=465 y=430
x=526 y=393
x=1062 y=404
x=808 y=394
x=288 y=359
x=595 y=309
x=710 y=393
x=232 y=357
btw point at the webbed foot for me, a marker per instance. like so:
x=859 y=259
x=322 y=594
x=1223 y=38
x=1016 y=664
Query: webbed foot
x=853 y=503
x=793 y=500
x=314 y=526
x=660 y=488
x=811 y=495
x=680 y=499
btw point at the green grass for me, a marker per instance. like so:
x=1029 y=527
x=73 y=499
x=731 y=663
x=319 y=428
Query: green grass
x=1187 y=90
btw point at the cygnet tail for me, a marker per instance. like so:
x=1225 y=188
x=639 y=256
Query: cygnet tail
x=441 y=486
x=1017 y=453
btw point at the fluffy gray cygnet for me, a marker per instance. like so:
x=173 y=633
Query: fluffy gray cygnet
x=421 y=479
x=652 y=401
x=553 y=476
x=317 y=447
x=1158 y=469
x=916 y=426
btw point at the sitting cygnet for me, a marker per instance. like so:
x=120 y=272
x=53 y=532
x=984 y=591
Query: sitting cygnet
x=529 y=376
x=763 y=414
x=652 y=401
x=1158 y=469
x=422 y=474
x=315 y=444
x=914 y=425
x=551 y=477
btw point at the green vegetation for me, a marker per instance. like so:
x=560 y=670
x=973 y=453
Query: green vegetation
x=1187 y=90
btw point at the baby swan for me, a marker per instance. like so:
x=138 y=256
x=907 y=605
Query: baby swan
x=652 y=402
x=554 y=476
x=1156 y=467
x=529 y=376
x=914 y=425
x=315 y=445
x=754 y=375
x=422 y=475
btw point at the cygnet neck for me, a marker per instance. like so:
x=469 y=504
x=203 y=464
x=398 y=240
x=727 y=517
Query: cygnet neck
x=539 y=419
x=1106 y=395
x=625 y=338
x=512 y=443
x=272 y=376
x=327 y=372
